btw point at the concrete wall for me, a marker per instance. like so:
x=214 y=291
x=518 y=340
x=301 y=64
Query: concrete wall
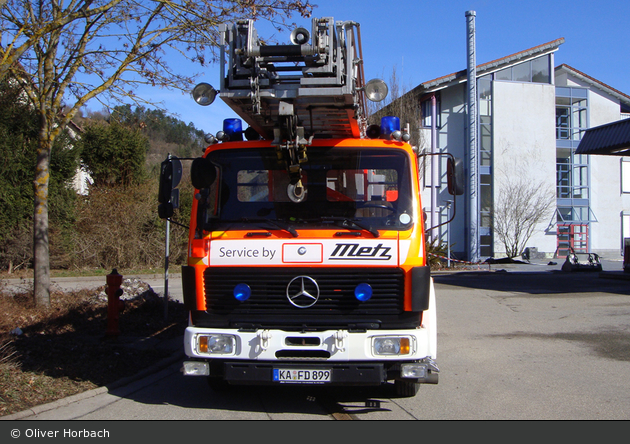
x=524 y=147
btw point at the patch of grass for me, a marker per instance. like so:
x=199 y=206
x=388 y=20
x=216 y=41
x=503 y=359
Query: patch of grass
x=63 y=350
x=86 y=272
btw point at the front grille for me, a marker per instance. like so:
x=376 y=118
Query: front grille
x=269 y=287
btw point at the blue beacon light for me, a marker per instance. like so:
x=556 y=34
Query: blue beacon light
x=242 y=292
x=234 y=129
x=389 y=124
x=363 y=292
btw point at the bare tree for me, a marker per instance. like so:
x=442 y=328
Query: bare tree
x=520 y=205
x=67 y=52
x=401 y=103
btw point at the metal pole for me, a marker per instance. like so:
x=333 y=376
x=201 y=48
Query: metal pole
x=166 y=254
x=473 y=155
x=448 y=234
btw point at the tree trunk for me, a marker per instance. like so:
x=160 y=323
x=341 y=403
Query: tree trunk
x=41 y=253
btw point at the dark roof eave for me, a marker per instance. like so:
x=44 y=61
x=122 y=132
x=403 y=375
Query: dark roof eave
x=611 y=139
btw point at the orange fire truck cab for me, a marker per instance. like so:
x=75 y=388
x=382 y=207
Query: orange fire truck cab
x=306 y=258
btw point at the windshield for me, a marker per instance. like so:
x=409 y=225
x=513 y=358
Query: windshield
x=366 y=188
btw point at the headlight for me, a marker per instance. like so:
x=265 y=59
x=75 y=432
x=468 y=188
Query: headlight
x=216 y=344
x=391 y=345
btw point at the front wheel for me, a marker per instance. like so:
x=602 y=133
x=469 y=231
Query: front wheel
x=406 y=388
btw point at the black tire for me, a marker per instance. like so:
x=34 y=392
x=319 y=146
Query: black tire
x=406 y=388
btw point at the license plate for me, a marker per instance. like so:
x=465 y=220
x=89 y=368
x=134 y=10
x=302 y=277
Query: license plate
x=301 y=375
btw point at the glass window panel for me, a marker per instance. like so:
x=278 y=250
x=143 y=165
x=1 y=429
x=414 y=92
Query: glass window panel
x=581 y=118
x=564 y=214
x=578 y=92
x=540 y=70
x=562 y=123
x=427 y=109
x=563 y=155
x=485 y=192
x=522 y=72
x=580 y=193
x=484 y=87
x=253 y=186
x=504 y=74
x=625 y=176
x=580 y=174
x=486 y=158
x=578 y=101
x=362 y=185
x=563 y=91
x=426 y=113
x=626 y=227
x=563 y=101
x=581 y=213
x=484 y=108
x=486 y=219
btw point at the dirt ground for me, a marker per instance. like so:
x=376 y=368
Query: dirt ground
x=49 y=354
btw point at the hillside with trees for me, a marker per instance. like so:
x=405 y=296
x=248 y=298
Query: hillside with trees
x=114 y=225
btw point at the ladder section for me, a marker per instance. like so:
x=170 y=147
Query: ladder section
x=310 y=88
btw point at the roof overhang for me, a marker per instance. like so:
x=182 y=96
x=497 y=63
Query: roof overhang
x=611 y=139
x=489 y=67
x=623 y=98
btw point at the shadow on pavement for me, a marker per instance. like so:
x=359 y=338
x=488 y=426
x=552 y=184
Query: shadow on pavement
x=536 y=283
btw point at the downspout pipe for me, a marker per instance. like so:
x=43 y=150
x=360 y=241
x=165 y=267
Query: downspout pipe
x=435 y=178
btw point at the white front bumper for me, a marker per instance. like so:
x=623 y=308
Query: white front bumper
x=326 y=346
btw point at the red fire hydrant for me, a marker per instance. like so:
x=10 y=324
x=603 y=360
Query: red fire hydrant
x=114 y=304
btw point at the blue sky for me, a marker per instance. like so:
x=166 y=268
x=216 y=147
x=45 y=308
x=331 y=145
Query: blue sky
x=424 y=40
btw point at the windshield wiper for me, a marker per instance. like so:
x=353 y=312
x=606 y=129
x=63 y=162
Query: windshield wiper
x=275 y=223
x=348 y=223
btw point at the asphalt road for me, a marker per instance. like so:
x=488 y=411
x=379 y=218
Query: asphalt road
x=514 y=343
x=156 y=281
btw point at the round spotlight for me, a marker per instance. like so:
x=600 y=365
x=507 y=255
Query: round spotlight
x=363 y=292
x=373 y=131
x=376 y=90
x=242 y=292
x=299 y=36
x=204 y=94
x=251 y=134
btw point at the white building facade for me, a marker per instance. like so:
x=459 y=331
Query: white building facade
x=531 y=117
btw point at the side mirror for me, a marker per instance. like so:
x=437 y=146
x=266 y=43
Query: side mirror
x=203 y=173
x=455 y=176
x=168 y=195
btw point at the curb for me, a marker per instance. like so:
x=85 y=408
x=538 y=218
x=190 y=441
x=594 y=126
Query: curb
x=127 y=381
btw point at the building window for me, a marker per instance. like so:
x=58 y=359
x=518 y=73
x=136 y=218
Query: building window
x=533 y=71
x=625 y=175
x=427 y=112
x=484 y=88
x=571 y=113
x=625 y=229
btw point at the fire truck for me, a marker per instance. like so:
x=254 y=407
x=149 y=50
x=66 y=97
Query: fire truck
x=306 y=254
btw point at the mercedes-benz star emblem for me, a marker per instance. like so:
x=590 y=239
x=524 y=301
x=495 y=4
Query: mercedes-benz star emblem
x=302 y=291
